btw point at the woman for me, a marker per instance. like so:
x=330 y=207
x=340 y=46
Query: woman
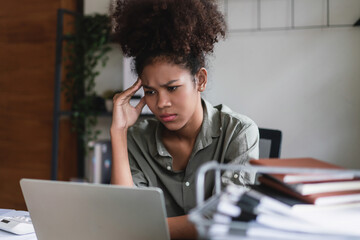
x=168 y=40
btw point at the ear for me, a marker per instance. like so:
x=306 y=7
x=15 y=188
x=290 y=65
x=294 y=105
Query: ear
x=201 y=76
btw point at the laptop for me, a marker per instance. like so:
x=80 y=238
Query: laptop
x=81 y=211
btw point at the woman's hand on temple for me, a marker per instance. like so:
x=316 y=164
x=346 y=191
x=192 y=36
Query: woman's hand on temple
x=124 y=114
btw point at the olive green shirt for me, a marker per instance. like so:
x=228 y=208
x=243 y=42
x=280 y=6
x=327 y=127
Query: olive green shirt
x=225 y=136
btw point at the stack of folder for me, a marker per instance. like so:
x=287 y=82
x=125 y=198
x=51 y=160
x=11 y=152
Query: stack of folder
x=251 y=214
x=317 y=189
x=285 y=206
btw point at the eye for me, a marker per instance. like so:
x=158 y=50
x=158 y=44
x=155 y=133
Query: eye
x=172 y=88
x=149 y=92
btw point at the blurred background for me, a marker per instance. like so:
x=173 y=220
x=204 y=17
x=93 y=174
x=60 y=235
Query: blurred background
x=292 y=65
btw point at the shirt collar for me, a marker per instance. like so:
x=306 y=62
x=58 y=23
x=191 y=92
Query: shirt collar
x=211 y=122
x=159 y=148
x=210 y=127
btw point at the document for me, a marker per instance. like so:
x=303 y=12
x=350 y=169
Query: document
x=252 y=214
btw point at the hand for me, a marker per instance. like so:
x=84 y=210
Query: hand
x=124 y=114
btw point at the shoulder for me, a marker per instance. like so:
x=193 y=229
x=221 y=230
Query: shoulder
x=143 y=128
x=230 y=119
x=240 y=134
x=231 y=116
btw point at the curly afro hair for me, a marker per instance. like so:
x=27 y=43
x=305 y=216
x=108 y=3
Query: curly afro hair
x=177 y=31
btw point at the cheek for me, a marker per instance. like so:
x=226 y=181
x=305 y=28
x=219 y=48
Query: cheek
x=149 y=101
x=188 y=93
x=185 y=98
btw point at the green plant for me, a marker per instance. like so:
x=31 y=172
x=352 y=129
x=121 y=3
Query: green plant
x=85 y=51
x=108 y=94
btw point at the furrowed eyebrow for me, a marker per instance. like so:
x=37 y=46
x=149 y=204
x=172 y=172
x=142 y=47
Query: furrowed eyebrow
x=169 y=83
x=146 y=86
x=163 y=85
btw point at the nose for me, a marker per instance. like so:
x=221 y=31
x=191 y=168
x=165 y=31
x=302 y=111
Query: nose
x=163 y=100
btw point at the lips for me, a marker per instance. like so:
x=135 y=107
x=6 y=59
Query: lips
x=168 y=117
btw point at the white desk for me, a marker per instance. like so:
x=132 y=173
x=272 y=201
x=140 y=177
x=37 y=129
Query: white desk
x=9 y=236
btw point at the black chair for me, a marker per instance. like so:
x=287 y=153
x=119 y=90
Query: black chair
x=270 y=143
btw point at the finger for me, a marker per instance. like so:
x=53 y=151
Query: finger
x=140 y=105
x=128 y=93
x=133 y=89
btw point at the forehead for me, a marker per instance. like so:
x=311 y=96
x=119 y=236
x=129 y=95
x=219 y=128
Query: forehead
x=163 y=72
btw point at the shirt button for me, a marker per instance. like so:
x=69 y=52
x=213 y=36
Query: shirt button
x=187 y=184
x=168 y=168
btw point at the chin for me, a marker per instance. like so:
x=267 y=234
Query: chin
x=172 y=126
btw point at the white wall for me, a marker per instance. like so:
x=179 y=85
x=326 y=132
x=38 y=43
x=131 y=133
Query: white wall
x=303 y=82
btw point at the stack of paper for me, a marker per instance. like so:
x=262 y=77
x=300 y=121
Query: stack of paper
x=317 y=189
x=261 y=216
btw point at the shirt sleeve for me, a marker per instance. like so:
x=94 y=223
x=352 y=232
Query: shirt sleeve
x=138 y=176
x=243 y=146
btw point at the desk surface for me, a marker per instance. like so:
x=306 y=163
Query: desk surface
x=10 y=236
